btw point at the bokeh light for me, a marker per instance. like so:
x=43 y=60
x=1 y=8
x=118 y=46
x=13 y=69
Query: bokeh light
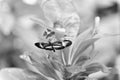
x=30 y=2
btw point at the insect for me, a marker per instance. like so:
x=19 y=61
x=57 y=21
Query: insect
x=52 y=46
x=48 y=33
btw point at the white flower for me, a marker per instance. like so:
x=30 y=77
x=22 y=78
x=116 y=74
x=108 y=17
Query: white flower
x=71 y=63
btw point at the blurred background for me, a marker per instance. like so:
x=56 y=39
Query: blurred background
x=18 y=33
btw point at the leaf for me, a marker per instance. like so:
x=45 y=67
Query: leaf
x=45 y=68
x=85 y=56
x=95 y=67
x=42 y=64
x=80 y=38
x=75 y=69
x=82 y=47
x=18 y=74
x=82 y=59
x=66 y=54
x=90 y=78
x=38 y=76
x=56 y=65
x=36 y=56
x=106 y=35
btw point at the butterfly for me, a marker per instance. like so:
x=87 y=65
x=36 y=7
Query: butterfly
x=52 y=46
x=49 y=34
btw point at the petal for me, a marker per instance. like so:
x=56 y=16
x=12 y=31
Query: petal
x=54 y=9
x=18 y=74
x=65 y=6
x=51 y=9
x=43 y=25
x=59 y=34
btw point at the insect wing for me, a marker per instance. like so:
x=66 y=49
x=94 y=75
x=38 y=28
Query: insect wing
x=58 y=45
x=39 y=45
x=42 y=45
x=49 y=47
x=50 y=33
x=46 y=46
x=67 y=43
x=61 y=44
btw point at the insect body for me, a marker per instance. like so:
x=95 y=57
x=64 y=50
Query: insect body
x=48 y=33
x=52 y=46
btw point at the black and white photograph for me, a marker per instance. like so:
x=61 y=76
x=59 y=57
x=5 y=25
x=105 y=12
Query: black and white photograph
x=59 y=39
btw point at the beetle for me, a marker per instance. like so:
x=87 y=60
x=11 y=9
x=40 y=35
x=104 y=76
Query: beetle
x=52 y=46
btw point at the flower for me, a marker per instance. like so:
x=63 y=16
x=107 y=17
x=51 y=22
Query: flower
x=75 y=62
